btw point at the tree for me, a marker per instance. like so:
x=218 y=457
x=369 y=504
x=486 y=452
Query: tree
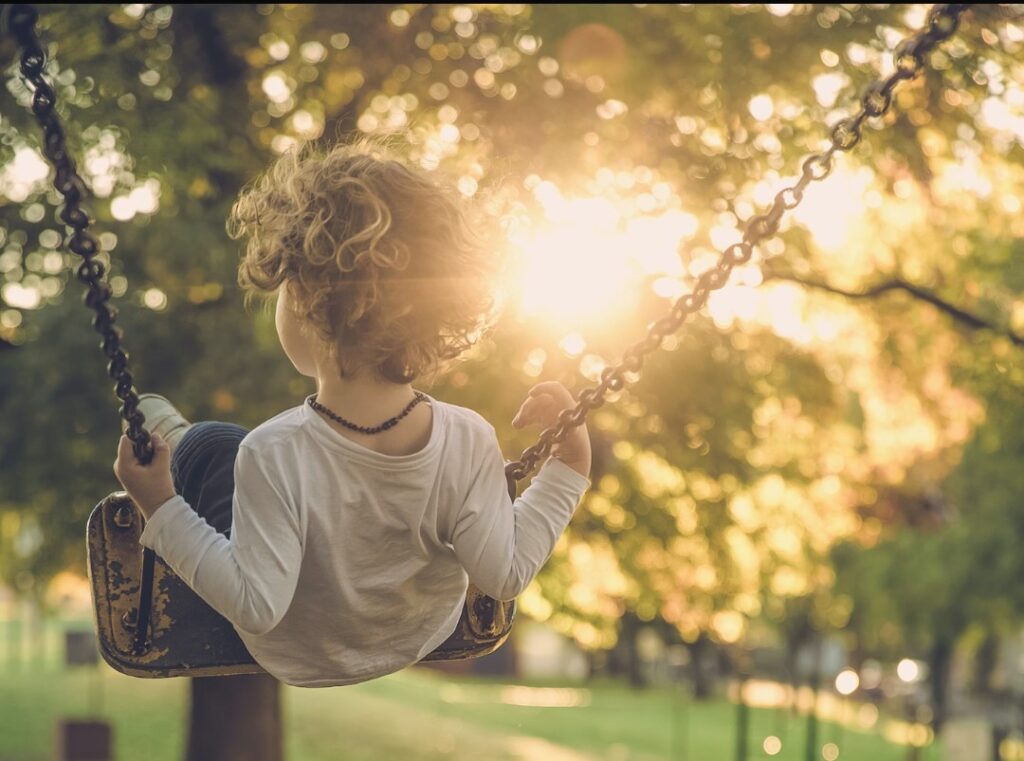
x=924 y=591
x=742 y=457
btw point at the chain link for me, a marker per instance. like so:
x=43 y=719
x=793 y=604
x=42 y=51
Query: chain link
x=909 y=58
x=21 y=21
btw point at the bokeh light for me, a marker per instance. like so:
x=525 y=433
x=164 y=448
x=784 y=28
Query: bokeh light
x=847 y=682
x=908 y=670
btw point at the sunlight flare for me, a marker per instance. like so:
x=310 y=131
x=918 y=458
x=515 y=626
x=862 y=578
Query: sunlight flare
x=583 y=261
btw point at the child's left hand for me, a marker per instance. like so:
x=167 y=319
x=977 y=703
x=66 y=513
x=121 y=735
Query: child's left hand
x=542 y=407
x=149 y=486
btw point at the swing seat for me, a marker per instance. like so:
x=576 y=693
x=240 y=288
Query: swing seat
x=184 y=636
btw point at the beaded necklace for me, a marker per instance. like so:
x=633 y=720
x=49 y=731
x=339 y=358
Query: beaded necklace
x=386 y=425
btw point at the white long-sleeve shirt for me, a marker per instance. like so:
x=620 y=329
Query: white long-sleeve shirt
x=345 y=564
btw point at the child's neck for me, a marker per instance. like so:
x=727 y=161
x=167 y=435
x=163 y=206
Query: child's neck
x=364 y=398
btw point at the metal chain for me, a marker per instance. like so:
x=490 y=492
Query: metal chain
x=21 y=20
x=876 y=101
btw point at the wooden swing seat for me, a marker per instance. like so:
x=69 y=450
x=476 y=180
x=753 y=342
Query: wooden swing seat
x=185 y=636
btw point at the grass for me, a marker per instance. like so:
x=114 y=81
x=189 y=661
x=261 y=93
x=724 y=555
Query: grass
x=418 y=715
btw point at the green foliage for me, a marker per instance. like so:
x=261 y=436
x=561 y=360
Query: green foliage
x=726 y=475
x=918 y=587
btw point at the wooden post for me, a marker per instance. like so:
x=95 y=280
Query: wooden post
x=84 y=741
x=235 y=718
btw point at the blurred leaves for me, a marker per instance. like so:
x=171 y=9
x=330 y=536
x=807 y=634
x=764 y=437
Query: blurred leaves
x=786 y=424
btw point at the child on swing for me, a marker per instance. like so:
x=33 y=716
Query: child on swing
x=339 y=537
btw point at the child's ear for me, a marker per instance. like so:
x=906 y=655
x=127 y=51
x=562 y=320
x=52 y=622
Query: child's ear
x=299 y=345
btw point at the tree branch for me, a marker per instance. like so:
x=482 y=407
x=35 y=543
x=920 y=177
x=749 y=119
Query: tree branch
x=972 y=321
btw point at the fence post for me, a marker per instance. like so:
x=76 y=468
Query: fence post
x=810 y=753
x=742 y=721
x=84 y=739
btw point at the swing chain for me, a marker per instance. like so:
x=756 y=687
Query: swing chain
x=21 y=20
x=909 y=59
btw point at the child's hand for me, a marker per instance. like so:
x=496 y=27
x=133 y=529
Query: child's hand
x=542 y=406
x=149 y=486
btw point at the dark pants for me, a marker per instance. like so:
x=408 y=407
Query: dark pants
x=203 y=469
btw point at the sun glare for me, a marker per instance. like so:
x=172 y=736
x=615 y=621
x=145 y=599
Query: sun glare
x=590 y=259
x=574 y=268
x=584 y=263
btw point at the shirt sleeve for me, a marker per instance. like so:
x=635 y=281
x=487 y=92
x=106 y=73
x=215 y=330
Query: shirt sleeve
x=250 y=578
x=502 y=545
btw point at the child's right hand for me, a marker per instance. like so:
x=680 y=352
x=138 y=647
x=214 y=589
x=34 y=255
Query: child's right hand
x=542 y=407
x=149 y=486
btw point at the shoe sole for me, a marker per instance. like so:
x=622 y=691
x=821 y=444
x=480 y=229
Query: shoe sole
x=163 y=419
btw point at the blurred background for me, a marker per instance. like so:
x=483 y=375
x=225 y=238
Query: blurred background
x=803 y=539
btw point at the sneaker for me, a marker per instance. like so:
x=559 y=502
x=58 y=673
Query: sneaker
x=163 y=418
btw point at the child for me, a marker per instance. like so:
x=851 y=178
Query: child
x=339 y=537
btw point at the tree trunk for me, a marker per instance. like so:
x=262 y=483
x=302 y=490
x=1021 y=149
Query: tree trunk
x=814 y=682
x=985 y=661
x=939 y=660
x=701 y=654
x=624 y=659
x=235 y=718
x=628 y=636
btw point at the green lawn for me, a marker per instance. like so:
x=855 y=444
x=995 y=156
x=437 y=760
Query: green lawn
x=418 y=715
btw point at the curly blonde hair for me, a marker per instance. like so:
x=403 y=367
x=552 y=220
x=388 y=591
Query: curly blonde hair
x=379 y=257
